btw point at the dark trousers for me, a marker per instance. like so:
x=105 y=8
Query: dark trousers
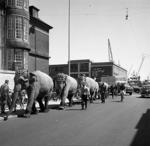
x=103 y=97
x=84 y=101
x=5 y=101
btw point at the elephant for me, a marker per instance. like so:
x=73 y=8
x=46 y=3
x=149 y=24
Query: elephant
x=66 y=88
x=39 y=87
x=92 y=84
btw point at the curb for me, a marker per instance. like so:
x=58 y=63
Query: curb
x=18 y=108
x=51 y=102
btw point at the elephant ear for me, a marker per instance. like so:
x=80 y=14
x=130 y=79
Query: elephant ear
x=33 y=78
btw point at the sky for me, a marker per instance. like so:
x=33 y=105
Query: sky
x=92 y=22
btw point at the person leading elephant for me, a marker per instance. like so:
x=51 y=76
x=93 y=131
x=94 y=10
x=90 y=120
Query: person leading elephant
x=39 y=87
x=91 y=84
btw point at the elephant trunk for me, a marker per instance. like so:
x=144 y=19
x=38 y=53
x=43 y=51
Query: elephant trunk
x=14 y=99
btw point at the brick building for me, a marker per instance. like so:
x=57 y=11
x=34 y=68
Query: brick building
x=24 y=37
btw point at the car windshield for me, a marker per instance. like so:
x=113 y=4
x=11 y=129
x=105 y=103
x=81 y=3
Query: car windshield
x=146 y=87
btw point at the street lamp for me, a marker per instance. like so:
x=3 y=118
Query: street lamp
x=69 y=38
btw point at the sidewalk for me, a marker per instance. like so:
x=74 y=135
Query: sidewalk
x=51 y=102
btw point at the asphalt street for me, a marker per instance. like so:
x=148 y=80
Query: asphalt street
x=114 y=123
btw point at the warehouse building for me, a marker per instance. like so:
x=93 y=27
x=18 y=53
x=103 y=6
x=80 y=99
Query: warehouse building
x=101 y=71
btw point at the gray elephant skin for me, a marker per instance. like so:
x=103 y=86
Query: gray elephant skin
x=66 y=87
x=39 y=87
x=93 y=86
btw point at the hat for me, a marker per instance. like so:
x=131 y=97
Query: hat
x=6 y=81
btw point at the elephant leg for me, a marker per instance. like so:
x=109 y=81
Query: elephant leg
x=29 y=105
x=91 y=97
x=70 y=96
x=62 y=103
x=42 y=108
x=34 y=109
x=46 y=103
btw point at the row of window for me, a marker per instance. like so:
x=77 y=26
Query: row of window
x=18 y=28
x=18 y=3
x=84 y=67
x=15 y=58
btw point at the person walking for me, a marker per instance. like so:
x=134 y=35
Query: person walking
x=103 y=92
x=122 y=92
x=84 y=96
x=5 y=98
x=112 y=90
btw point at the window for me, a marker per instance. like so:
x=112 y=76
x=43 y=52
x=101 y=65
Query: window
x=10 y=30
x=19 y=58
x=26 y=4
x=19 y=3
x=15 y=59
x=84 y=67
x=26 y=29
x=18 y=29
x=10 y=59
x=10 y=3
x=74 y=67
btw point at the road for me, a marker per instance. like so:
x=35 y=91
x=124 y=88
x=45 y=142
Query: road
x=114 y=123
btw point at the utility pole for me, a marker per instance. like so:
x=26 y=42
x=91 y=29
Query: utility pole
x=69 y=38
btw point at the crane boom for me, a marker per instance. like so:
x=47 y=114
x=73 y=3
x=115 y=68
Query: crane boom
x=110 y=52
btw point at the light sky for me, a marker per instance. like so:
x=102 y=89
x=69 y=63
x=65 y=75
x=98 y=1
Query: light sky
x=92 y=22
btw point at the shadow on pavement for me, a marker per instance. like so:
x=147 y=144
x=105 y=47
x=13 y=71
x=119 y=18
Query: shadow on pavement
x=116 y=101
x=22 y=111
x=74 y=109
x=143 y=97
x=142 y=137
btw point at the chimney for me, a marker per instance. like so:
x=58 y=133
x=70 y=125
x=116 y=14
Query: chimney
x=34 y=12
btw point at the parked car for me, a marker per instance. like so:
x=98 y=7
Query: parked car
x=145 y=91
x=128 y=89
x=136 y=89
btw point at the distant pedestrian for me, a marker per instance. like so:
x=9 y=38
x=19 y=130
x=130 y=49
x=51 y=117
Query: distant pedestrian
x=112 y=90
x=5 y=97
x=103 y=92
x=122 y=92
x=84 y=95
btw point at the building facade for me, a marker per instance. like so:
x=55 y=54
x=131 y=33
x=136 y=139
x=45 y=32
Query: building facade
x=102 y=71
x=24 y=38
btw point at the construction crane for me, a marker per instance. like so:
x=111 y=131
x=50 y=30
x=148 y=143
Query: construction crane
x=143 y=57
x=110 y=55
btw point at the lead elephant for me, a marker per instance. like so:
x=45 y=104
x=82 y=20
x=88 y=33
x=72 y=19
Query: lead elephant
x=38 y=85
x=66 y=87
x=92 y=84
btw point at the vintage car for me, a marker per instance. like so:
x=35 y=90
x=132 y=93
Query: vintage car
x=136 y=89
x=145 y=91
x=128 y=89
